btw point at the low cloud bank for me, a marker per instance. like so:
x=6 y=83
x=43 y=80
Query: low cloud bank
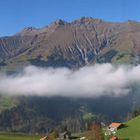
x=93 y=81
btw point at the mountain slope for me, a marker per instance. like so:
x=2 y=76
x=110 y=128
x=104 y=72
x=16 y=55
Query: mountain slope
x=132 y=129
x=81 y=42
x=41 y=114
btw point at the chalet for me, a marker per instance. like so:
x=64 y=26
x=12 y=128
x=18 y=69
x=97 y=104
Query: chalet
x=115 y=126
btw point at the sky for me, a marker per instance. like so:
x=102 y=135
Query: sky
x=18 y=14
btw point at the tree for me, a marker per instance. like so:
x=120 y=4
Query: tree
x=54 y=134
x=95 y=132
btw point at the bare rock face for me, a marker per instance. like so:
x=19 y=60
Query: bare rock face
x=81 y=42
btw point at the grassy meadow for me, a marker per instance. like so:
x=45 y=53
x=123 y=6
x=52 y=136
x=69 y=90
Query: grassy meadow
x=131 y=131
x=18 y=137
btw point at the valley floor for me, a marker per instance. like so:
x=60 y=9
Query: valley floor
x=18 y=137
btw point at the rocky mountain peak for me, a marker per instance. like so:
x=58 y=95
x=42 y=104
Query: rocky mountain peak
x=86 y=20
x=28 y=31
x=29 y=28
x=60 y=22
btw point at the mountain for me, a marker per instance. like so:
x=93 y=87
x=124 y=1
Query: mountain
x=81 y=42
x=85 y=41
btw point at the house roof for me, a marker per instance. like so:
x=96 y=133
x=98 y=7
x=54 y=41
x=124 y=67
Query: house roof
x=114 y=138
x=114 y=124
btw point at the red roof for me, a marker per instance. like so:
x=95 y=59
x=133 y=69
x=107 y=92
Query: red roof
x=114 y=138
x=117 y=125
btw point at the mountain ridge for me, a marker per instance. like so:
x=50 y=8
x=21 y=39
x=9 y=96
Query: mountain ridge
x=72 y=44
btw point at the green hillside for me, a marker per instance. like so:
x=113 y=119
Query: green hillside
x=131 y=131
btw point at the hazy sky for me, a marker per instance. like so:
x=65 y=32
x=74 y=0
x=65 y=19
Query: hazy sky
x=17 y=14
